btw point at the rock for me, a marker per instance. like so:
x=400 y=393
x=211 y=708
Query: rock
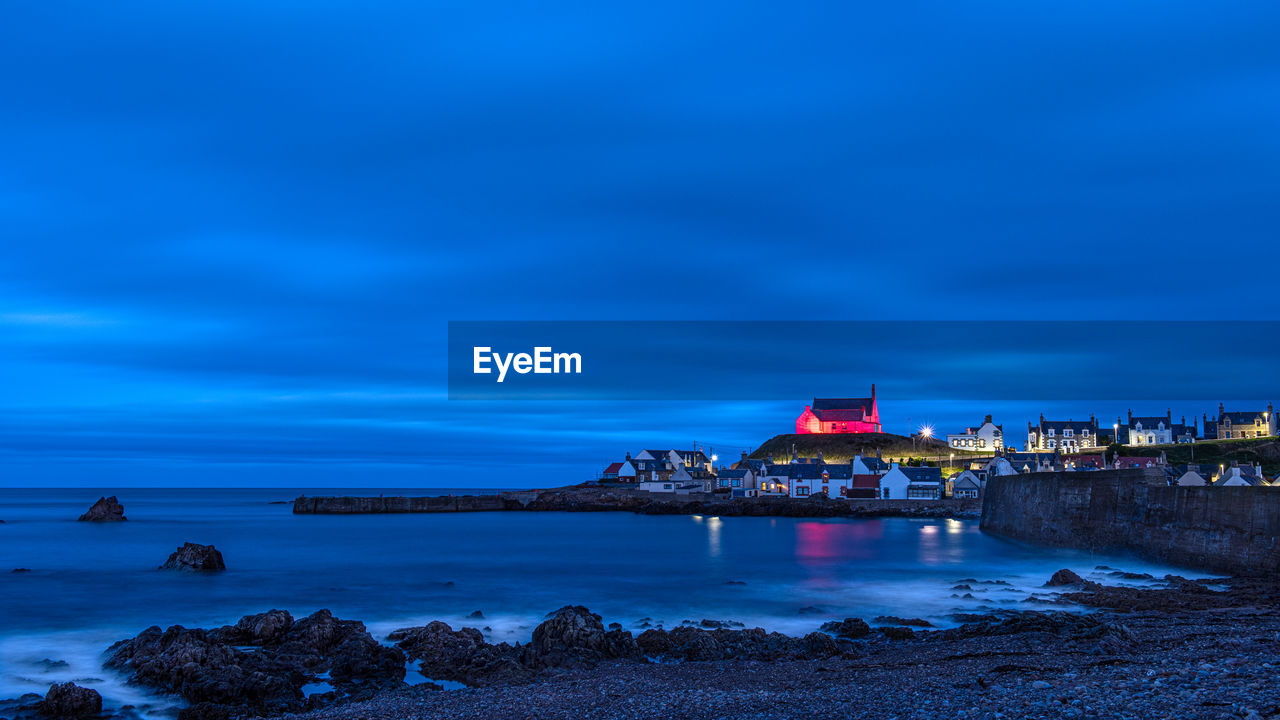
x=895 y=620
x=848 y=628
x=897 y=633
x=21 y=570
x=575 y=636
x=51 y=665
x=192 y=556
x=209 y=669
x=476 y=615
x=68 y=700
x=106 y=509
x=1064 y=577
x=1040 y=685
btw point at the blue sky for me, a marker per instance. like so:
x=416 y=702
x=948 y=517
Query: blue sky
x=233 y=234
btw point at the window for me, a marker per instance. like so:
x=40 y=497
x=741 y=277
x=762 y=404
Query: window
x=1051 y=431
x=1053 y=443
x=1068 y=432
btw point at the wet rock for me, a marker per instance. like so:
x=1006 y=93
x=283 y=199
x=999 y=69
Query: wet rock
x=895 y=620
x=575 y=636
x=476 y=615
x=68 y=700
x=106 y=509
x=209 y=669
x=1064 y=577
x=894 y=632
x=848 y=628
x=196 y=557
x=1131 y=575
x=21 y=570
x=47 y=665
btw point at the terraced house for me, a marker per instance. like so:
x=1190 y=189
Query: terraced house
x=1063 y=435
x=1239 y=425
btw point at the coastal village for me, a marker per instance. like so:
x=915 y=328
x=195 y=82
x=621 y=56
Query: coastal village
x=958 y=464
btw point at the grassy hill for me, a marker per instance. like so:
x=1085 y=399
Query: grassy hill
x=841 y=447
x=1265 y=451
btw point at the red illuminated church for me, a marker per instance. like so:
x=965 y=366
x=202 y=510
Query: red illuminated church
x=840 y=415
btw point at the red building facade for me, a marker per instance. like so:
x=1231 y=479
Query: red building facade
x=840 y=415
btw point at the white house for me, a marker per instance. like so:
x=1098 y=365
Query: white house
x=987 y=436
x=670 y=487
x=918 y=483
x=1236 y=476
x=1196 y=476
x=869 y=465
x=968 y=484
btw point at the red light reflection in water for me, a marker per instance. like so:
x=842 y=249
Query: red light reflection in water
x=817 y=542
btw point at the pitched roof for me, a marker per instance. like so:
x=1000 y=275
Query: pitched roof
x=842 y=415
x=613 y=468
x=734 y=473
x=874 y=463
x=863 y=404
x=1242 y=418
x=922 y=474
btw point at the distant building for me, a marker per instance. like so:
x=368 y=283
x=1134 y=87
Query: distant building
x=987 y=436
x=967 y=485
x=736 y=479
x=1131 y=462
x=1021 y=463
x=660 y=465
x=1082 y=463
x=869 y=465
x=611 y=472
x=1155 y=430
x=1066 y=436
x=1242 y=425
x=840 y=415
x=1196 y=475
x=1240 y=476
x=915 y=483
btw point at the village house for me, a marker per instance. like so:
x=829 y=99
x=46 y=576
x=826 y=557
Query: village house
x=915 y=483
x=610 y=473
x=1131 y=462
x=1193 y=475
x=732 y=479
x=869 y=465
x=1155 y=430
x=1081 y=463
x=968 y=484
x=840 y=415
x=1243 y=425
x=987 y=436
x=1238 y=475
x=1066 y=436
x=1019 y=463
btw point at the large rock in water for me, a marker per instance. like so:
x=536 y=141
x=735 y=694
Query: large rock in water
x=107 y=509
x=68 y=700
x=192 y=556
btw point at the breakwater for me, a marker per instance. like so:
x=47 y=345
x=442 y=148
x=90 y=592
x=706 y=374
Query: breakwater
x=594 y=499
x=1223 y=529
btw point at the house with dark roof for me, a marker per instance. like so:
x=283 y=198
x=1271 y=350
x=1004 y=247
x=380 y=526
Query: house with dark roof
x=1062 y=435
x=968 y=484
x=915 y=483
x=1155 y=430
x=840 y=415
x=866 y=465
x=736 y=478
x=1241 y=476
x=987 y=436
x=1131 y=462
x=1238 y=425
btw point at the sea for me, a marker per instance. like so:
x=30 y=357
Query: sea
x=91 y=584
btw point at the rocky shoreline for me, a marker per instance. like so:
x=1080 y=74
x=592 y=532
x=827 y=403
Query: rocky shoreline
x=1185 y=649
x=591 y=498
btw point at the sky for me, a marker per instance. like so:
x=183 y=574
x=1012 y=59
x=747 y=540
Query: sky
x=234 y=235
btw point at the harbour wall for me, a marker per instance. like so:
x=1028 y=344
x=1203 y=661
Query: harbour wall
x=1221 y=529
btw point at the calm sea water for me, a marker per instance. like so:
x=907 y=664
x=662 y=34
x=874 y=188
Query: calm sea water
x=92 y=584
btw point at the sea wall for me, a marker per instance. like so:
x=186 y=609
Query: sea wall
x=1232 y=530
x=595 y=499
